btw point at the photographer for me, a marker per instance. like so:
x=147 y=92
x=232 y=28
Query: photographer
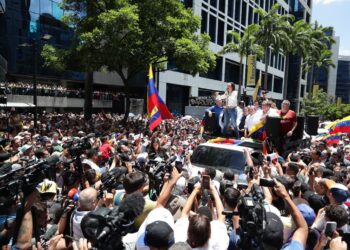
x=198 y=230
x=298 y=240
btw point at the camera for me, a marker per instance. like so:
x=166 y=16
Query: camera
x=104 y=227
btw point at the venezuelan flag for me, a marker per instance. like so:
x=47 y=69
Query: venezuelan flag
x=258 y=131
x=332 y=139
x=156 y=108
x=342 y=126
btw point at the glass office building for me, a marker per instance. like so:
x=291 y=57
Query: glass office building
x=217 y=18
x=26 y=20
x=343 y=79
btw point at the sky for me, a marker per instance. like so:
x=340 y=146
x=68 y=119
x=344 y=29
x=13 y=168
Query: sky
x=335 y=13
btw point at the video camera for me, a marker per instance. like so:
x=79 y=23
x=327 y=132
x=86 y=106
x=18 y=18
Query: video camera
x=104 y=228
x=27 y=178
x=252 y=219
x=77 y=146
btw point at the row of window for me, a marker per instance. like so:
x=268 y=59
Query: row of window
x=232 y=75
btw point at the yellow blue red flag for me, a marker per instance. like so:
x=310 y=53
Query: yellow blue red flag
x=156 y=108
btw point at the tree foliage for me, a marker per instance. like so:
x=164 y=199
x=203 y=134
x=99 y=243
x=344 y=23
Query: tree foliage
x=125 y=36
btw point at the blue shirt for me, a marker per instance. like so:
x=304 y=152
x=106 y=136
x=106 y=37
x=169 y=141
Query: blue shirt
x=293 y=245
x=217 y=110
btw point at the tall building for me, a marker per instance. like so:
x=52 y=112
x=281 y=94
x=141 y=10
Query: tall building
x=326 y=78
x=219 y=17
x=343 y=79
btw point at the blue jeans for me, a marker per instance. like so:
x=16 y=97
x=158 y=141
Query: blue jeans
x=230 y=114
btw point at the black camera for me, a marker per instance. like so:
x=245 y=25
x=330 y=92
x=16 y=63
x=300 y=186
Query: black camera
x=104 y=228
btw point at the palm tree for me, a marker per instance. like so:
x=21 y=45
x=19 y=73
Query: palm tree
x=323 y=61
x=273 y=33
x=299 y=36
x=244 y=46
x=318 y=55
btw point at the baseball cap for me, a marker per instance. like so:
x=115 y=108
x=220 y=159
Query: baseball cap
x=24 y=148
x=273 y=233
x=308 y=213
x=160 y=214
x=47 y=186
x=339 y=192
x=159 y=234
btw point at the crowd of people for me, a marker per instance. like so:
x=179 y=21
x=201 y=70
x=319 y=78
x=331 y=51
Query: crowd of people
x=118 y=185
x=56 y=90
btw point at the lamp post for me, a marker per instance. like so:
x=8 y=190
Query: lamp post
x=34 y=46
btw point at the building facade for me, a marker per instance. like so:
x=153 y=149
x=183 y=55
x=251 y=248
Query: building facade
x=343 y=79
x=219 y=17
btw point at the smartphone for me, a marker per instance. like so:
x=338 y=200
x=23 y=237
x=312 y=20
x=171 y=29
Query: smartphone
x=331 y=226
x=179 y=166
x=70 y=238
x=205 y=181
x=266 y=182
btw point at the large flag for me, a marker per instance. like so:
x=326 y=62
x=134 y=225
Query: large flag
x=342 y=126
x=333 y=139
x=257 y=90
x=156 y=108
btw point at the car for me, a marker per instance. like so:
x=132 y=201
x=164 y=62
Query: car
x=219 y=157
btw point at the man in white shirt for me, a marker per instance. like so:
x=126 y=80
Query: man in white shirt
x=230 y=108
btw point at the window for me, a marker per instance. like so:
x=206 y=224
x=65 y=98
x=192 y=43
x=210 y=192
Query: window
x=238 y=10
x=277 y=87
x=221 y=33
x=230 y=8
x=302 y=90
x=57 y=12
x=204 y=25
x=250 y=16
x=228 y=29
x=215 y=74
x=231 y=71
x=222 y=4
x=269 y=81
x=212 y=28
x=218 y=157
x=214 y=3
x=35 y=6
x=45 y=6
x=244 y=13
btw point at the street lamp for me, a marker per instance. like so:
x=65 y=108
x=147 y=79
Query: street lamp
x=34 y=45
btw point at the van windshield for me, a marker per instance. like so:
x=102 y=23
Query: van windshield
x=218 y=157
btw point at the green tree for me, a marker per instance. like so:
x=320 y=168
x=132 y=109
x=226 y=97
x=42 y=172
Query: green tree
x=316 y=104
x=299 y=36
x=318 y=55
x=125 y=36
x=273 y=33
x=243 y=46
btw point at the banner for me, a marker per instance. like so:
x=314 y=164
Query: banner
x=251 y=70
x=315 y=89
x=202 y=101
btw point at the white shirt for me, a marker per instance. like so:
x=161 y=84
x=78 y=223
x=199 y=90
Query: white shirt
x=218 y=240
x=239 y=115
x=231 y=99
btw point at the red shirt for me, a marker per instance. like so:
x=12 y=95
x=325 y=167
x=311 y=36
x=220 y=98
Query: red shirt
x=105 y=150
x=287 y=120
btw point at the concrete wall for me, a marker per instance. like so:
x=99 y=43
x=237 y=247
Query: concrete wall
x=58 y=102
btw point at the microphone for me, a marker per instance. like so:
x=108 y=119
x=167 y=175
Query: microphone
x=50 y=232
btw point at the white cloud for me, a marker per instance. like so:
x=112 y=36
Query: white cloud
x=345 y=52
x=325 y=2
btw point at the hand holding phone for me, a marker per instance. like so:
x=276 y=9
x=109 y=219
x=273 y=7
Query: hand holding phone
x=205 y=181
x=331 y=226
